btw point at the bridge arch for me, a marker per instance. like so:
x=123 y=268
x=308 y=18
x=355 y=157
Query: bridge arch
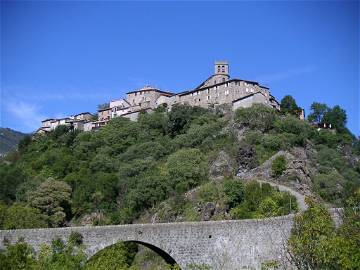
x=159 y=251
x=163 y=254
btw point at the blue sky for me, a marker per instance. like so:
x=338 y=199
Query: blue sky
x=61 y=58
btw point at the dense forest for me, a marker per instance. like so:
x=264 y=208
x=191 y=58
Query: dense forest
x=177 y=165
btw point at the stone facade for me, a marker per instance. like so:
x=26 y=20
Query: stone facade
x=104 y=114
x=225 y=93
x=146 y=97
x=217 y=90
x=85 y=116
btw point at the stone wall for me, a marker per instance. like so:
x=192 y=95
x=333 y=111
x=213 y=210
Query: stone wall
x=257 y=98
x=220 y=244
x=228 y=244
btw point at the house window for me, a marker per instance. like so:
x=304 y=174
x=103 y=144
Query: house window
x=226 y=92
x=223 y=79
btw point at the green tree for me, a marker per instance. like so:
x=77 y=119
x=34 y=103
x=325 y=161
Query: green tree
x=52 y=198
x=24 y=143
x=181 y=116
x=315 y=243
x=336 y=117
x=19 y=256
x=258 y=116
x=318 y=111
x=288 y=105
x=116 y=257
x=62 y=256
x=310 y=233
x=187 y=168
x=19 y=216
x=11 y=177
x=234 y=192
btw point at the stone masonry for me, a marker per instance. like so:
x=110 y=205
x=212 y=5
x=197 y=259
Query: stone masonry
x=228 y=244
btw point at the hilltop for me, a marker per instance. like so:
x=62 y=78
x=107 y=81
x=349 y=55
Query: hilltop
x=9 y=140
x=187 y=164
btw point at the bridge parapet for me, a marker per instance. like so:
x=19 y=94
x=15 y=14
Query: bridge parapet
x=228 y=244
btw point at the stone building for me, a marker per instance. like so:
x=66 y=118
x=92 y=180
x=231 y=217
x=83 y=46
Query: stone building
x=216 y=90
x=147 y=97
x=84 y=116
x=221 y=89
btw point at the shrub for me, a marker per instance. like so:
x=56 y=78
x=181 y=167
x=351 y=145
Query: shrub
x=234 y=192
x=292 y=125
x=329 y=186
x=197 y=134
x=209 y=192
x=11 y=177
x=181 y=116
x=75 y=238
x=258 y=117
x=308 y=234
x=20 y=216
x=18 y=256
x=278 y=166
x=118 y=256
x=186 y=169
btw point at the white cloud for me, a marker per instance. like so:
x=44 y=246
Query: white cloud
x=26 y=113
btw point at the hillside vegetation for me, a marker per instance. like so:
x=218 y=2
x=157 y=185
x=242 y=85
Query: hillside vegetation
x=175 y=166
x=190 y=164
x=9 y=140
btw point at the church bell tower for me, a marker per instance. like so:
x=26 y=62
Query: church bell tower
x=221 y=68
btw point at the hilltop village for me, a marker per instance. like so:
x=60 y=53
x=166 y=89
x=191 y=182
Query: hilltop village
x=217 y=90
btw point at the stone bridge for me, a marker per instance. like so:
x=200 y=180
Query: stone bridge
x=230 y=244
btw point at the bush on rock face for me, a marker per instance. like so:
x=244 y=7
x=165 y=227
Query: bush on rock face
x=278 y=166
x=234 y=192
x=259 y=117
x=187 y=168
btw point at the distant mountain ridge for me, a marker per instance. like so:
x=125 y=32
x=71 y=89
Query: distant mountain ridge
x=9 y=139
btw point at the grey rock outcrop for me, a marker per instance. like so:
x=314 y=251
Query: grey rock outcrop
x=297 y=174
x=245 y=159
x=222 y=165
x=207 y=211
